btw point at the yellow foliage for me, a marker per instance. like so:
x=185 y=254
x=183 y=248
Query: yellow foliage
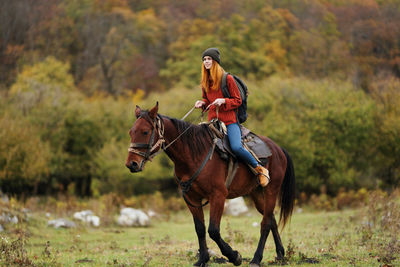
x=149 y=27
x=49 y=73
x=61 y=206
x=126 y=13
x=45 y=83
x=108 y=5
x=189 y=31
x=276 y=52
x=23 y=155
x=137 y=96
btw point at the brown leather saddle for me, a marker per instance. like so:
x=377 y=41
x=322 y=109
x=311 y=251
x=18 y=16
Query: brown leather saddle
x=253 y=143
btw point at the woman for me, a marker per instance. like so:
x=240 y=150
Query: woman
x=212 y=74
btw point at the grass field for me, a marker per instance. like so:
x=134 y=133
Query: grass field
x=353 y=237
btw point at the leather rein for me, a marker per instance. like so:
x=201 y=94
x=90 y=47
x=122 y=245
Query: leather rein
x=158 y=127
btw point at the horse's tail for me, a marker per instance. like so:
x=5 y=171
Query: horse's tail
x=287 y=193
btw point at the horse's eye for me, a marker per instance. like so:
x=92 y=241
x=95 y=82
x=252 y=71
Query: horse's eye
x=145 y=132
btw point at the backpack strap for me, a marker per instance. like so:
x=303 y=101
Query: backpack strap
x=225 y=91
x=224 y=86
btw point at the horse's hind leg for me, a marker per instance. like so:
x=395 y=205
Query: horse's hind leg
x=198 y=218
x=216 y=210
x=280 y=251
x=265 y=205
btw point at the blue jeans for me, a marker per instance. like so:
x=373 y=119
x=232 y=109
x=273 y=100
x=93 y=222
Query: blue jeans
x=234 y=136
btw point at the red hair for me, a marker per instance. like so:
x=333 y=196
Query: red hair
x=215 y=75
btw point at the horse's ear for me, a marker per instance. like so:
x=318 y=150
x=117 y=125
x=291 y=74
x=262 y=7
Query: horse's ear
x=138 y=110
x=153 y=111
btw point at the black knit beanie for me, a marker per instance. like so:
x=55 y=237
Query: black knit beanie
x=213 y=53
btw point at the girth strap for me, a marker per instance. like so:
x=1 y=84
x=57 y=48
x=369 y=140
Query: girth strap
x=232 y=168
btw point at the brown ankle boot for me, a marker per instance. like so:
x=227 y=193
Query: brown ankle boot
x=263 y=175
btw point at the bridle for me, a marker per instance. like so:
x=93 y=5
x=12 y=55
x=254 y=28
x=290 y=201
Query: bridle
x=158 y=126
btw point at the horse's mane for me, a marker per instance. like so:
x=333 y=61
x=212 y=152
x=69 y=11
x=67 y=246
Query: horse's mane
x=197 y=137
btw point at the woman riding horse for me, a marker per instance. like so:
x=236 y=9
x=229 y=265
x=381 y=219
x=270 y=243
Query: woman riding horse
x=201 y=173
x=213 y=98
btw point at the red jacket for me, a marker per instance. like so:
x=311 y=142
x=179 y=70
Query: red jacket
x=226 y=112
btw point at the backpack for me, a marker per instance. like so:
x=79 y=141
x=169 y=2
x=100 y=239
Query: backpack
x=241 y=112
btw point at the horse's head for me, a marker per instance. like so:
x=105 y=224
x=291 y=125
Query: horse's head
x=147 y=136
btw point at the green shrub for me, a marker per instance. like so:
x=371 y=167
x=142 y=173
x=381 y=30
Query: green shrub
x=24 y=157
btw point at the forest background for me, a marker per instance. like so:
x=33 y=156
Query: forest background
x=323 y=77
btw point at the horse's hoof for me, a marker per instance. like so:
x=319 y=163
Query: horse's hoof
x=202 y=261
x=238 y=260
x=254 y=263
x=280 y=255
x=203 y=264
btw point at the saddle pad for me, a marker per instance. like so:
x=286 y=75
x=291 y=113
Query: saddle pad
x=257 y=145
x=253 y=142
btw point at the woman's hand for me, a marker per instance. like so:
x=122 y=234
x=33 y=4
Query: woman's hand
x=199 y=104
x=218 y=102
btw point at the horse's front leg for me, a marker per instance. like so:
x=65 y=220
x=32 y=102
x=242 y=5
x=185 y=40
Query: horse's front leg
x=216 y=209
x=198 y=218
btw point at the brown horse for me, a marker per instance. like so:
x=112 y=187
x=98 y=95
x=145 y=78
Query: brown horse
x=201 y=174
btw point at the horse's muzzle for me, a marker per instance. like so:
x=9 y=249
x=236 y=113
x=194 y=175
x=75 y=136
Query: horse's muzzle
x=133 y=166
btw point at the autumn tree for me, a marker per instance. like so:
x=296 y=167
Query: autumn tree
x=387 y=162
x=24 y=157
x=17 y=19
x=46 y=96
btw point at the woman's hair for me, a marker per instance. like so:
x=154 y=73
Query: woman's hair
x=216 y=72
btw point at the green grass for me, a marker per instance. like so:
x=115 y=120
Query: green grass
x=311 y=239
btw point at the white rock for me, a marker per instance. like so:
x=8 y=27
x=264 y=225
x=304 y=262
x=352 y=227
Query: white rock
x=93 y=220
x=133 y=217
x=236 y=207
x=8 y=218
x=4 y=198
x=57 y=223
x=151 y=213
x=81 y=215
x=26 y=211
x=14 y=220
x=87 y=216
x=255 y=224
